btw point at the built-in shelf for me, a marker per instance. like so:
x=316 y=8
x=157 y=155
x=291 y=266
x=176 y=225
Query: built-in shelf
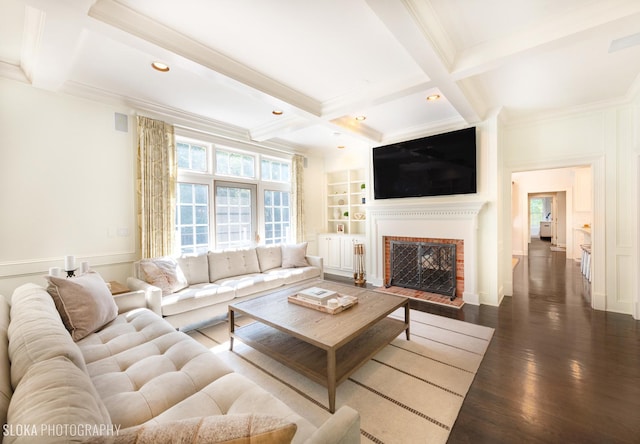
x=346 y=200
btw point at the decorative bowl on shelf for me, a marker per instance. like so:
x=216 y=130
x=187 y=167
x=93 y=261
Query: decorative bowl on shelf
x=358 y=216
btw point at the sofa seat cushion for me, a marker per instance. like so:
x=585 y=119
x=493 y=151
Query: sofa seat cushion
x=125 y=332
x=225 y=264
x=249 y=284
x=133 y=381
x=196 y=296
x=293 y=275
x=36 y=332
x=55 y=392
x=234 y=394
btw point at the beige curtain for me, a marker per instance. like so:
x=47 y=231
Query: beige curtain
x=297 y=197
x=157 y=172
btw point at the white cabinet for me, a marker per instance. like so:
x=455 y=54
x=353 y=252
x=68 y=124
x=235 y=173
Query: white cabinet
x=337 y=252
x=545 y=229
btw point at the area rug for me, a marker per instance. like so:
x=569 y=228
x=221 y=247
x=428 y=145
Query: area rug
x=410 y=392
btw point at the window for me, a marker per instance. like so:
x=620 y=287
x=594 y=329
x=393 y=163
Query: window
x=192 y=217
x=244 y=194
x=229 y=163
x=192 y=157
x=235 y=214
x=277 y=217
x=275 y=171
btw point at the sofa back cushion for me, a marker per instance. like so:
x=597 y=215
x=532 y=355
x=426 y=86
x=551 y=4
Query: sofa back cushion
x=36 y=332
x=226 y=264
x=5 y=373
x=269 y=257
x=195 y=268
x=55 y=392
x=85 y=303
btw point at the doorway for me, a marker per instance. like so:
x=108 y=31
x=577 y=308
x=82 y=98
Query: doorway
x=548 y=218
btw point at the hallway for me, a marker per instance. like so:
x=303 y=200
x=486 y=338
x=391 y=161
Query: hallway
x=556 y=370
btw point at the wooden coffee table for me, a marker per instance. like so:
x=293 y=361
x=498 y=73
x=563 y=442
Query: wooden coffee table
x=325 y=348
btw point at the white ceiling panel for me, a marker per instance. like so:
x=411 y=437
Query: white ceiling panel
x=324 y=63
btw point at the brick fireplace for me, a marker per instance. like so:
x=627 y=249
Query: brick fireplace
x=459 y=259
x=441 y=222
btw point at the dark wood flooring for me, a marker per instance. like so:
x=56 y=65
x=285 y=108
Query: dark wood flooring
x=556 y=371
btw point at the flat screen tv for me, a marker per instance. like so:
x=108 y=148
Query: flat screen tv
x=438 y=165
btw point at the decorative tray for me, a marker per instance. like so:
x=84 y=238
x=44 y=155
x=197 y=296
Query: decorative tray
x=345 y=302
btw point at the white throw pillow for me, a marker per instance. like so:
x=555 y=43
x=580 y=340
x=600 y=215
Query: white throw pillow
x=269 y=257
x=164 y=273
x=295 y=255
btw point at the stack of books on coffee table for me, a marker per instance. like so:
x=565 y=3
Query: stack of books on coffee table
x=317 y=295
x=320 y=299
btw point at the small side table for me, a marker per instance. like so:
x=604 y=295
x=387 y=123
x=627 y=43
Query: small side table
x=118 y=288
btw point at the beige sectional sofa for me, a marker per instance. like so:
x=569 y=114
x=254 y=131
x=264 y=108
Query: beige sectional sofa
x=134 y=379
x=191 y=289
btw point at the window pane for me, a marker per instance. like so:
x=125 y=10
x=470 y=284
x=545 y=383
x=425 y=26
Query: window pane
x=234 y=216
x=276 y=215
x=186 y=193
x=191 y=157
x=275 y=170
x=192 y=220
x=202 y=195
x=202 y=215
x=235 y=164
x=199 y=158
x=183 y=155
x=186 y=215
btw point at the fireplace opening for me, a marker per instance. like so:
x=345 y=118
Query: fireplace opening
x=425 y=266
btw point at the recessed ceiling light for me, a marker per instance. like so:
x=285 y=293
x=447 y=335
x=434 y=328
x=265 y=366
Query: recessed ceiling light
x=277 y=112
x=361 y=118
x=159 y=66
x=433 y=97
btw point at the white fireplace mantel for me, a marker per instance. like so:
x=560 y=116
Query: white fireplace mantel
x=444 y=220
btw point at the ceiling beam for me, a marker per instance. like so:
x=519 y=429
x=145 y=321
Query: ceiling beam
x=540 y=36
x=134 y=23
x=402 y=22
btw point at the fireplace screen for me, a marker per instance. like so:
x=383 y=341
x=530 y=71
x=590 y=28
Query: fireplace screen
x=425 y=266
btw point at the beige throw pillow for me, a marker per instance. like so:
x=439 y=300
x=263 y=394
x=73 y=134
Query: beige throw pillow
x=294 y=255
x=85 y=303
x=164 y=273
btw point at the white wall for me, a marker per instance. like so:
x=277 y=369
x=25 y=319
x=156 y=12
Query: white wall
x=66 y=185
x=607 y=140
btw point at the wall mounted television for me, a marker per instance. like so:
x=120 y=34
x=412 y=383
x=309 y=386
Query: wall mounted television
x=439 y=165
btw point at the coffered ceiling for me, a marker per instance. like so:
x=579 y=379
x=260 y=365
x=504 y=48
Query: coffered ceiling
x=324 y=63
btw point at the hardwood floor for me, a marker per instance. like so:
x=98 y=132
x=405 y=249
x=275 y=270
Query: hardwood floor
x=556 y=371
